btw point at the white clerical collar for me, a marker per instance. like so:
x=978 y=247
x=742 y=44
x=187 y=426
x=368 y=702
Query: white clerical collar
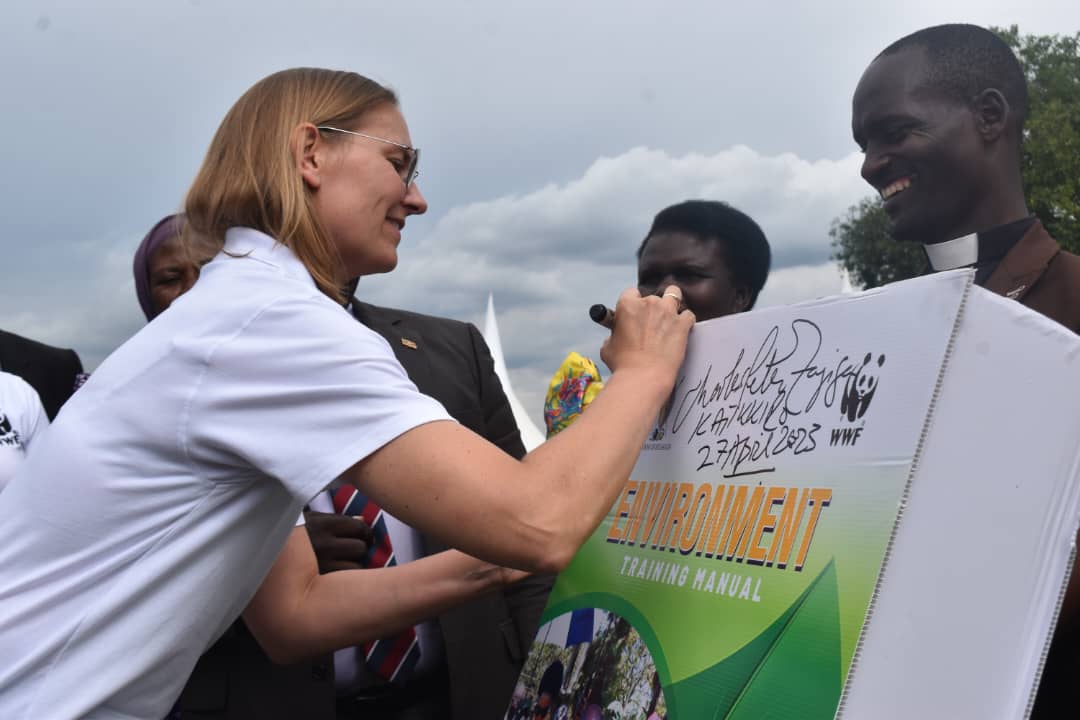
x=952 y=254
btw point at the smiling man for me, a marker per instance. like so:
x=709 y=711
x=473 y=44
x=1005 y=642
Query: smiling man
x=939 y=115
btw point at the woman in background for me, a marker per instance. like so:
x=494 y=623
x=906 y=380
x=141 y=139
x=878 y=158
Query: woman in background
x=167 y=264
x=716 y=255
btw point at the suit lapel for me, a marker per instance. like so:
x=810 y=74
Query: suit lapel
x=1024 y=264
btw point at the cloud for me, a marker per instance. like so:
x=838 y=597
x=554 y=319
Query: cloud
x=546 y=255
x=605 y=213
x=549 y=254
x=93 y=312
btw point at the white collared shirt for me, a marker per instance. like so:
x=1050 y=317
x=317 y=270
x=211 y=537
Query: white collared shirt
x=147 y=516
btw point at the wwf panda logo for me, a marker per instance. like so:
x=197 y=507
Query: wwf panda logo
x=5 y=426
x=860 y=388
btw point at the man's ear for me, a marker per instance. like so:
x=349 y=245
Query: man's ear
x=991 y=114
x=307 y=150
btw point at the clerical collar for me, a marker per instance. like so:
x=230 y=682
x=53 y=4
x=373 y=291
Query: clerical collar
x=979 y=249
x=956 y=253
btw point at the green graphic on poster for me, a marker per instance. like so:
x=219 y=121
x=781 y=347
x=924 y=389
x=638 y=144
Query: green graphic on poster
x=734 y=573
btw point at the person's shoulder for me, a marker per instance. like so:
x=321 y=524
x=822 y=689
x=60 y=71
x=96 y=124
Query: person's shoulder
x=414 y=318
x=243 y=292
x=1070 y=263
x=232 y=324
x=1056 y=293
x=14 y=389
x=26 y=346
x=439 y=331
x=248 y=278
x=1064 y=271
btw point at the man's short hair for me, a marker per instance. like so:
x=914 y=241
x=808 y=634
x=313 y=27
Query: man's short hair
x=746 y=251
x=964 y=60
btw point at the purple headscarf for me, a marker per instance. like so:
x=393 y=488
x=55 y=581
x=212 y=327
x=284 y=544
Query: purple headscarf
x=166 y=228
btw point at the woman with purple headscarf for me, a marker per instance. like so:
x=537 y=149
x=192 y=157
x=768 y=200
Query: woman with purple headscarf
x=167 y=264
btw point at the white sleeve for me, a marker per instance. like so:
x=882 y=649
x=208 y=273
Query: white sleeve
x=302 y=393
x=24 y=409
x=35 y=419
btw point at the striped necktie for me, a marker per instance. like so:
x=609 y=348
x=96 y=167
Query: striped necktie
x=391 y=658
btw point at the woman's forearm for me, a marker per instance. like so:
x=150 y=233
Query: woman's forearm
x=532 y=514
x=535 y=514
x=587 y=474
x=298 y=613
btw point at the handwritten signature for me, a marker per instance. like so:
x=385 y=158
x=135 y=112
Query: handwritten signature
x=756 y=409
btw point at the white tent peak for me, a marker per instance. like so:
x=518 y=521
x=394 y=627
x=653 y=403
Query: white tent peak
x=846 y=288
x=530 y=434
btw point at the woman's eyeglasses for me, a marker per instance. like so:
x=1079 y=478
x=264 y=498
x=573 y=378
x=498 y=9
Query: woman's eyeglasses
x=408 y=171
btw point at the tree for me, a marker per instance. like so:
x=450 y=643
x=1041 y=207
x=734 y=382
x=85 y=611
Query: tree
x=1050 y=166
x=863 y=247
x=1051 y=162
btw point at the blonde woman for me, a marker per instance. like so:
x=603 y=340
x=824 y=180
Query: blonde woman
x=158 y=501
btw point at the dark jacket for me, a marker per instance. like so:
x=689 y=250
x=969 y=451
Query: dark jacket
x=49 y=370
x=486 y=640
x=1042 y=276
x=1045 y=278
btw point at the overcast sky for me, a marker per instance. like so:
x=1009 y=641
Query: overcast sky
x=551 y=133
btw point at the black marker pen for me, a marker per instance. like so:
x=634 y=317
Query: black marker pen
x=602 y=315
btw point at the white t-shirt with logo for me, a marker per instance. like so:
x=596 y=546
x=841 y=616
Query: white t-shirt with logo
x=22 y=418
x=147 y=516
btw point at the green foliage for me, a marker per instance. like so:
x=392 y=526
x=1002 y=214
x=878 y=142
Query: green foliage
x=1051 y=167
x=1051 y=161
x=863 y=247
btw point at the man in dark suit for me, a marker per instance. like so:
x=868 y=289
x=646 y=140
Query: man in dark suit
x=939 y=115
x=484 y=642
x=49 y=370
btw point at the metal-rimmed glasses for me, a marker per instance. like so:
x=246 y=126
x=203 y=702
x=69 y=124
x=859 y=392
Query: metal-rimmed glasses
x=408 y=171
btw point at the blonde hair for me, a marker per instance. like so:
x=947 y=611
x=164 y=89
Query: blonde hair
x=249 y=177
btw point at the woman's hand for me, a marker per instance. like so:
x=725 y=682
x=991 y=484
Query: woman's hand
x=650 y=333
